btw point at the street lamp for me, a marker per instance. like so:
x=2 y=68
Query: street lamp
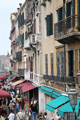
x=73 y=98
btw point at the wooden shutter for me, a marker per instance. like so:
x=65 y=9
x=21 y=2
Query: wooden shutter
x=26 y=35
x=58 y=63
x=48 y=25
x=59 y=11
x=63 y=12
x=46 y=63
x=68 y=9
x=73 y=7
x=78 y=11
x=62 y=63
x=51 y=23
x=52 y=66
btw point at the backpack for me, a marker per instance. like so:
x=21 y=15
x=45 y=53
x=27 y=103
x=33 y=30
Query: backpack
x=17 y=106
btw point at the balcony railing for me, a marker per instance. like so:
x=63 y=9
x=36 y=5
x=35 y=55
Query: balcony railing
x=28 y=75
x=68 y=80
x=66 y=26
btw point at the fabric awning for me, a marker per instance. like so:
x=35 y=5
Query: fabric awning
x=4 y=94
x=10 y=80
x=50 y=91
x=23 y=84
x=17 y=83
x=67 y=108
x=1 y=84
x=27 y=88
x=54 y=104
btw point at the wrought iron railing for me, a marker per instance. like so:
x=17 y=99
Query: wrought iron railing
x=66 y=26
x=68 y=80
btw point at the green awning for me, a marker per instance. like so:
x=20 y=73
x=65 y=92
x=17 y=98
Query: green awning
x=46 y=90
x=67 y=108
x=50 y=91
x=55 y=94
x=78 y=118
x=54 y=104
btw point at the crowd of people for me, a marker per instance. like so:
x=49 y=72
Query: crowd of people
x=17 y=108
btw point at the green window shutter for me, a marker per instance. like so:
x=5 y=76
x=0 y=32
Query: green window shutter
x=51 y=23
x=26 y=35
x=63 y=12
x=68 y=9
x=58 y=63
x=59 y=11
x=48 y=25
x=73 y=7
x=78 y=11
x=46 y=63
x=52 y=66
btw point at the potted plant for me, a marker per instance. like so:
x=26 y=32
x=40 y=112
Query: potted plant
x=78 y=28
x=43 y=4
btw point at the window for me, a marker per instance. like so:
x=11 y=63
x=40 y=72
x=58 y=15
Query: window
x=78 y=11
x=60 y=63
x=52 y=69
x=26 y=35
x=49 y=24
x=46 y=63
x=59 y=13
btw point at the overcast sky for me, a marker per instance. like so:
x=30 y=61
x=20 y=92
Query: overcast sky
x=6 y=8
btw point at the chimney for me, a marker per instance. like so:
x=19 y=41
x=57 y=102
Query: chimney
x=20 y=4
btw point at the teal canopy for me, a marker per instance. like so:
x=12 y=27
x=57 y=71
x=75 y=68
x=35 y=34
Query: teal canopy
x=78 y=118
x=46 y=90
x=54 y=104
x=67 y=108
x=49 y=91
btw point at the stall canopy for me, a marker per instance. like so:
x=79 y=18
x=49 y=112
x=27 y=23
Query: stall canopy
x=10 y=80
x=1 y=84
x=54 y=104
x=50 y=91
x=67 y=108
x=27 y=88
x=22 y=85
x=17 y=83
x=4 y=94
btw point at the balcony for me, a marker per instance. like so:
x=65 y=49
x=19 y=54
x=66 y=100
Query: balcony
x=66 y=30
x=68 y=80
x=37 y=79
x=26 y=44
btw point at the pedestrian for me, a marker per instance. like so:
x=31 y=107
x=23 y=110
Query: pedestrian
x=20 y=115
x=11 y=105
x=17 y=106
x=19 y=99
x=58 y=117
x=26 y=106
x=11 y=115
x=34 y=111
x=27 y=116
x=14 y=99
x=45 y=116
x=22 y=103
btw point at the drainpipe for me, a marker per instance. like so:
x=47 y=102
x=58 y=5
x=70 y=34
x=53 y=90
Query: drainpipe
x=64 y=3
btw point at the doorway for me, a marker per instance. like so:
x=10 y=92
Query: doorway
x=70 y=65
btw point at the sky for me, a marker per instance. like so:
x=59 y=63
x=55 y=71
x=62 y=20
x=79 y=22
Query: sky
x=6 y=8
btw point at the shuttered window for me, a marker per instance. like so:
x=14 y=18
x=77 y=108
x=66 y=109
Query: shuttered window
x=52 y=65
x=68 y=9
x=49 y=24
x=60 y=63
x=78 y=11
x=26 y=35
x=73 y=7
x=46 y=63
x=59 y=12
x=19 y=56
